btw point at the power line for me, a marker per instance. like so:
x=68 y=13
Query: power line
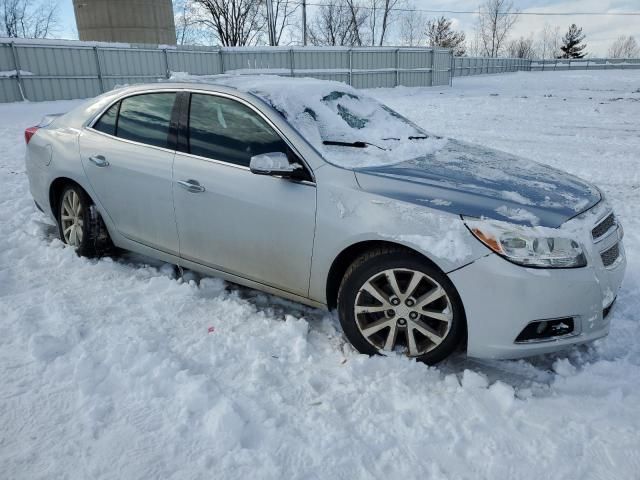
x=475 y=12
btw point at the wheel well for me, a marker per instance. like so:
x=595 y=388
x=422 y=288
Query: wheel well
x=55 y=190
x=347 y=257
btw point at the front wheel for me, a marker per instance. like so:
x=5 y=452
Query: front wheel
x=392 y=300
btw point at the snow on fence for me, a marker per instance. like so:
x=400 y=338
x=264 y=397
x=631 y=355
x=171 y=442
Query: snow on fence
x=48 y=70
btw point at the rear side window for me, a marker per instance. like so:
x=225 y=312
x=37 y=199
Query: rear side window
x=107 y=122
x=226 y=130
x=146 y=118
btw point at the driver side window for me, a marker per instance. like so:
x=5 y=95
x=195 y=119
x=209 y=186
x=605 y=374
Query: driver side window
x=226 y=130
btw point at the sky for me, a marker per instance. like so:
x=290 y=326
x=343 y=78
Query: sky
x=601 y=31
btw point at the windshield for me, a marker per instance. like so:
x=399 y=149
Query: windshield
x=347 y=127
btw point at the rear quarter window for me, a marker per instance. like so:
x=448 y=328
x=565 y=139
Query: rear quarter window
x=107 y=122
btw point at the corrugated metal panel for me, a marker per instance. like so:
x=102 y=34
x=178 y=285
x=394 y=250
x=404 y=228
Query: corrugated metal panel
x=238 y=59
x=337 y=76
x=55 y=61
x=414 y=58
x=40 y=89
x=132 y=62
x=194 y=62
x=415 y=79
x=373 y=79
x=321 y=59
x=113 y=82
x=9 y=91
x=373 y=59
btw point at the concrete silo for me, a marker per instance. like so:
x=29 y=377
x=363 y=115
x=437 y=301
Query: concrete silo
x=130 y=21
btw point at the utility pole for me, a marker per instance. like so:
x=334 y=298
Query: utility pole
x=271 y=22
x=304 y=22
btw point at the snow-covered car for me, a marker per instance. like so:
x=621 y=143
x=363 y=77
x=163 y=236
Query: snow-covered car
x=314 y=191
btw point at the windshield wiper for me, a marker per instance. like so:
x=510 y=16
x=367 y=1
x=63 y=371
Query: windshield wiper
x=357 y=144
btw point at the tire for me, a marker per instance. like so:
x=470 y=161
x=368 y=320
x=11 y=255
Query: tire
x=393 y=315
x=79 y=223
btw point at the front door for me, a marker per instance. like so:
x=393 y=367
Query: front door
x=253 y=226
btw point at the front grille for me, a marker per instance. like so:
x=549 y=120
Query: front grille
x=603 y=227
x=610 y=255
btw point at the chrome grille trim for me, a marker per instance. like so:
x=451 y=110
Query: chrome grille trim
x=603 y=227
x=610 y=255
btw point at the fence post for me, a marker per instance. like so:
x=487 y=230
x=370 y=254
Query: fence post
x=221 y=58
x=16 y=63
x=166 y=63
x=291 y=65
x=397 y=65
x=350 y=66
x=433 y=63
x=99 y=68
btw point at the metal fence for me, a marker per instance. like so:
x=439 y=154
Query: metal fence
x=49 y=71
x=585 y=64
x=465 y=66
x=39 y=70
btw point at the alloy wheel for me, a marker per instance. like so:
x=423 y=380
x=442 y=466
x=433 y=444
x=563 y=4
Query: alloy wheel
x=403 y=310
x=72 y=218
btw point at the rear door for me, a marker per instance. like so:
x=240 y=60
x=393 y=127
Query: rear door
x=253 y=226
x=128 y=159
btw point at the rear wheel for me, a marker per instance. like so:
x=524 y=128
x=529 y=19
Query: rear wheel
x=79 y=223
x=393 y=301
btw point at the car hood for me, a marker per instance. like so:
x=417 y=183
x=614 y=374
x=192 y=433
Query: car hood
x=470 y=180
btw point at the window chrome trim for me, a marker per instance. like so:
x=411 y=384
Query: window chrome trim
x=239 y=167
x=93 y=120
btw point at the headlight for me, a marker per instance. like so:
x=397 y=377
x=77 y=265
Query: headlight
x=531 y=247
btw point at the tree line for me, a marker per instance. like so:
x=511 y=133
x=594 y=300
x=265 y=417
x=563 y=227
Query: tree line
x=350 y=23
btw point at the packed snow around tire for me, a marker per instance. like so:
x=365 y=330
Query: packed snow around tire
x=118 y=368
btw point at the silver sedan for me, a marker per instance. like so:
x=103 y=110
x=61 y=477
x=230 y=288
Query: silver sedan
x=314 y=191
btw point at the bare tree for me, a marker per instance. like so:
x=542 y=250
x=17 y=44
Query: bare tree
x=234 y=22
x=283 y=16
x=338 y=22
x=440 y=34
x=27 y=18
x=412 y=29
x=624 y=47
x=521 y=48
x=188 y=25
x=495 y=20
x=549 y=42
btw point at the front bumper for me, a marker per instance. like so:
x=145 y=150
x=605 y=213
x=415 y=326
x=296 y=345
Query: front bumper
x=501 y=299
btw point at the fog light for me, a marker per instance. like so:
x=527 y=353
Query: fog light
x=546 y=330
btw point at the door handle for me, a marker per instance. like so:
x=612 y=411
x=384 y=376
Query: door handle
x=99 y=161
x=192 y=186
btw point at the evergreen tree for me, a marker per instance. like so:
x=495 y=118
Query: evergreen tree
x=440 y=34
x=572 y=46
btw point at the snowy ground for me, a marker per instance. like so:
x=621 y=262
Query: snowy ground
x=108 y=368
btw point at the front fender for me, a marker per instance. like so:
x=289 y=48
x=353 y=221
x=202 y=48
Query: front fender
x=347 y=215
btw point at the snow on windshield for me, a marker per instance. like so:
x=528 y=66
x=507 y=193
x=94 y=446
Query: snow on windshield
x=327 y=111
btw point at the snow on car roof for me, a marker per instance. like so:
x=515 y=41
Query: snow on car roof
x=326 y=112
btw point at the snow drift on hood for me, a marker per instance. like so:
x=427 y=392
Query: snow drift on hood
x=324 y=111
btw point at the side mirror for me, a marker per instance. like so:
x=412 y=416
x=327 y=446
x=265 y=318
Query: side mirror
x=274 y=163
